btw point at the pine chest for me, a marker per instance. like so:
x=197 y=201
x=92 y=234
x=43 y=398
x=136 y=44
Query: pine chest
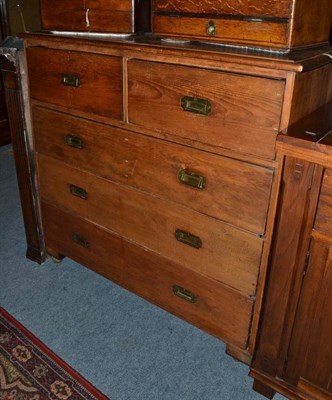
x=156 y=167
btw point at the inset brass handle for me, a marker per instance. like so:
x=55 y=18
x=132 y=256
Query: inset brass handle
x=78 y=192
x=211 y=28
x=188 y=239
x=74 y=141
x=196 y=105
x=80 y=240
x=184 y=294
x=191 y=179
x=71 y=80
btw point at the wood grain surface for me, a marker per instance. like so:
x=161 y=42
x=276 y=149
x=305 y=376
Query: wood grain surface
x=219 y=310
x=151 y=165
x=234 y=31
x=323 y=222
x=245 y=114
x=89 y=15
x=276 y=8
x=228 y=255
x=310 y=354
x=100 y=90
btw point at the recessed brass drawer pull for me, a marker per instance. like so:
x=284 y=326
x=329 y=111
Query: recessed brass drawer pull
x=184 y=294
x=189 y=178
x=196 y=105
x=80 y=240
x=78 y=192
x=74 y=141
x=71 y=80
x=188 y=239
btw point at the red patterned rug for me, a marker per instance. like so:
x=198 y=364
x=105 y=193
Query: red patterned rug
x=31 y=371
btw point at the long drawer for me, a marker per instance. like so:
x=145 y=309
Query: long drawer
x=201 y=243
x=236 y=112
x=79 y=81
x=199 y=300
x=264 y=32
x=213 y=185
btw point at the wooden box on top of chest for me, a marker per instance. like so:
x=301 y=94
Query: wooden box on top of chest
x=113 y=16
x=280 y=24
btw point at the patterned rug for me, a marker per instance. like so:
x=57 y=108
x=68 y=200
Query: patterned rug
x=31 y=371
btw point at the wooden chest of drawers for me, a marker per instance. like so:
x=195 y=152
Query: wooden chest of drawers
x=279 y=24
x=156 y=167
x=125 y=16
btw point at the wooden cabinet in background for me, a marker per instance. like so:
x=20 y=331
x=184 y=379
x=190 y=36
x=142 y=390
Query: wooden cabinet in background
x=125 y=16
x=279 y=24
x=294 y=353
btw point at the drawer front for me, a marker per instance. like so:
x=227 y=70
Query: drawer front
x=256 y=23
x=79 y=81
x=323 y=222
x=196 y=241
x=252 y=32
x=213 y=185
x=236 y=112
x=92 y=16
x=218 y=309
x=257 y=8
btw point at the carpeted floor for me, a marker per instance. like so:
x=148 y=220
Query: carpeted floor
x=126 y=347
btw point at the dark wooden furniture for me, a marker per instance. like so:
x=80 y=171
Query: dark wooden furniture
x=280 y=24
x=125 y=16
x=12 y=68
x=146 y=154
x=294 y=353
x=4 y=124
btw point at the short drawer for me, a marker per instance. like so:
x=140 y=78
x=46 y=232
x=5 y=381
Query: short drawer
x=209 y=305
x=201 y=243
x=84 y=82
x=255 y=32
x=224 y=110
x=323 y=222
x=213 y=185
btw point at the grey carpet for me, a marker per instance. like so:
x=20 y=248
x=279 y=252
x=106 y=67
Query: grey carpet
x=126 y=347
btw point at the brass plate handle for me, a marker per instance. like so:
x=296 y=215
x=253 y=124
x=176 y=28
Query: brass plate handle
x=78 y=192
x=74 y=141
x=188 y=239
x=71 y=80
x=196 y=105
x=80 y=240
x=191 y=179
x=184 y=294
x=211 y=28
